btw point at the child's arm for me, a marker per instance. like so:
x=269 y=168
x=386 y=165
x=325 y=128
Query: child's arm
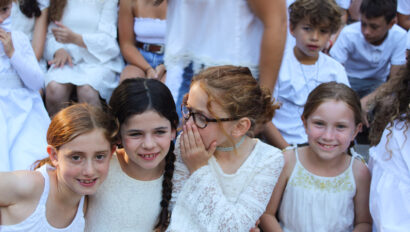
x=269 y=222
x=39 y=34
x=363 y=219
x=274 y=19
x=19 y=185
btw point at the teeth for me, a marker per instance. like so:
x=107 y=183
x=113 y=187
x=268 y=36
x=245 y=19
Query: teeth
x=86 y=181
x=148 y=156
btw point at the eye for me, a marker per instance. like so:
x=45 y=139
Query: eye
x=160 y=132
x=135 y=134
x=341 y=126
x=306 y=28
x=324 y=31
x=318 y=123
x=75 y=157
x=100 y=156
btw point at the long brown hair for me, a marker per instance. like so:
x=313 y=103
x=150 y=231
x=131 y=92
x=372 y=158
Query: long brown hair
x=56 y=9
x=76 y=120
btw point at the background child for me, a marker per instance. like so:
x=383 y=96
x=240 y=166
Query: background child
x=30 y=17
x=403 y=13
x=390 y=157
x=321 y=187
x=23 y=118
x=138 y=189
x=373 y=49
x=83 y=52
x=81 y=142
x=141 y=32
x=223 y=178
x=312 y=22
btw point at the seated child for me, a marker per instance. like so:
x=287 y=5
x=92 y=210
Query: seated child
x=312 y=22
x=403 y=13
x=373 y=49
x=322 y=187
x=23 y=118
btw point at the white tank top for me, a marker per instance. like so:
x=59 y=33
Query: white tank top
x=37 y=221
x=149 y=30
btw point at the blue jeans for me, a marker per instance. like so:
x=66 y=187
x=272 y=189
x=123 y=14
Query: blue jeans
x=364 y=87
x=184 y=88
x=153 y=59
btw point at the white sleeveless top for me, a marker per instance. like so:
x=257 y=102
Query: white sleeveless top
x=37 y=221
x=149 y=30
x=316 y=203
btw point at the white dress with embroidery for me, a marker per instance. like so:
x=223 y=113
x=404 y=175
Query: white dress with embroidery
x=316 y=203
x=23 y=117
x=211 y=200
x=99 y=63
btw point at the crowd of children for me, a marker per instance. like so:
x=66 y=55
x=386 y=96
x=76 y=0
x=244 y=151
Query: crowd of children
x=174 y=108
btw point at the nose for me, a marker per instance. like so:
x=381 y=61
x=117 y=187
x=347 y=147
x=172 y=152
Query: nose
x=89 y=169
x=148 y=142
x=315 y=35
x=328 y=134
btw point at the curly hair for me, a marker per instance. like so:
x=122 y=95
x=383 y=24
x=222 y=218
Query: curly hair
x=55 y=10
x=392 y=104
x=30 y=8
x=324 y=13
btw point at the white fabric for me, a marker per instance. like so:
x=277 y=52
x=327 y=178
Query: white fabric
x=96 y=21
x=210 y=200
x=408 y=40
x=149 y=30
x=295 y=82
x=123 y=203
x=37 y=221
x=390 y=186
x=23 y=118
x=363 y=60
x=209 y=33
x=21 y=22
x=403 y=7
x=316 y=203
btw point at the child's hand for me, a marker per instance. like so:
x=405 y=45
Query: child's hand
x=64 y=35
x=5 y=39
x=61 y=57
x=193 y=151
x=160 y=70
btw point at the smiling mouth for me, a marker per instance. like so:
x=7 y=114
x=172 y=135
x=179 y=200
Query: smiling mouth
x=327 y=146
x=149 y=157
x=88 y=182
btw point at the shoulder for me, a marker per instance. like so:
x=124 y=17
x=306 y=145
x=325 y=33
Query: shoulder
x=23 y=184
x=329 y=63
x=360 y=171
x=397 y=31
x=290 y=161
x=353 y=29
x=268 y=154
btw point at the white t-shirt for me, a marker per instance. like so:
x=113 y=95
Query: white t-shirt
x=403 y=7
x=293 y=86
x=389 y=164
x=363 y=60
x=408 y=40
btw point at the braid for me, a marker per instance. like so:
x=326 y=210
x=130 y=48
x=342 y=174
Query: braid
x=163 y=219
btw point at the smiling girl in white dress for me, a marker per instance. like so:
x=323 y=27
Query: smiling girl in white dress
x=223 y=177
x=136 y=194
x=81 y=141
x=83 y=52
x=321 y=187
x=23 y=118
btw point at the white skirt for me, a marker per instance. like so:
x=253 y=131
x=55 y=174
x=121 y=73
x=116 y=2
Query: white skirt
x=23 y=127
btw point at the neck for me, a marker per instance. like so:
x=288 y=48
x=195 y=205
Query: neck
x=330 y=166
x=303 y=58
x=378 y=42
x=137 y=172
x=61 y=193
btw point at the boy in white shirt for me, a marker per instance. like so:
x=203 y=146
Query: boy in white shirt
x=403 y=13
x=373 y=49
x=304 y=67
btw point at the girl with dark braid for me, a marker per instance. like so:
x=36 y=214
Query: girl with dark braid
x=138 y=188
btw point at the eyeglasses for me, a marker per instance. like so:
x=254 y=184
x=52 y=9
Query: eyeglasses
x=200 y=120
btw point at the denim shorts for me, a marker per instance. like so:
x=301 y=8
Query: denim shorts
x=153 y=59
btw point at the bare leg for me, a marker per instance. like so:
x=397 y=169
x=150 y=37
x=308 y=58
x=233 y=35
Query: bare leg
x=57 y=96
x=131 y=71
x=88 y=94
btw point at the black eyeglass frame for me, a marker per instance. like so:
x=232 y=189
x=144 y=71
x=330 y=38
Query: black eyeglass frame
x=190 y=113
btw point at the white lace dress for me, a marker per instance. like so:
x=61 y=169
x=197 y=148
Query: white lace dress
x=210 y=200
x=99 y=63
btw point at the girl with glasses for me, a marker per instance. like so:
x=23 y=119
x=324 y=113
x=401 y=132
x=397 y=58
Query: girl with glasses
x=223 y=177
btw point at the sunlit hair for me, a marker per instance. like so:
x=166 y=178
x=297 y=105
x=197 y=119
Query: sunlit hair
x=333 y=91
x=392 y=104
x=321 y=13
x=56 y=9
x=376 y=8
x=136 y=96
x=76 y=120
x=237 y=92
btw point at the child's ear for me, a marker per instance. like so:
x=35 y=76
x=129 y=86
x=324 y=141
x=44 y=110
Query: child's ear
x=241 y=127
x=52 y=153
x=357 y=130
x=304 y=122
x=292 y=29
x=173 y=134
